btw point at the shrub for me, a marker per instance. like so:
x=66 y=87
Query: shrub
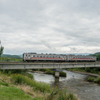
x=63 y=74
x=48 y=71
x=97 y=80
x=91 y=79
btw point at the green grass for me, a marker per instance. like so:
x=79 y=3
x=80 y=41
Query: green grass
x=12 y=93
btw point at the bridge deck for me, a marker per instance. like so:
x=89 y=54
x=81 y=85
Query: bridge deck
x=25 y=65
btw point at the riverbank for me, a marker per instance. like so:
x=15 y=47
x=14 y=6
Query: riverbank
x=22 y=87
x=91 y=78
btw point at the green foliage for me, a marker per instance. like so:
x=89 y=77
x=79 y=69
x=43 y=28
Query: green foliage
x=20 y=79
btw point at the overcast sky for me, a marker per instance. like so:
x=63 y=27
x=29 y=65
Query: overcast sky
x=50 y=26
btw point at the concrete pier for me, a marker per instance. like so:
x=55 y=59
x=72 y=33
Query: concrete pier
x=57 y=74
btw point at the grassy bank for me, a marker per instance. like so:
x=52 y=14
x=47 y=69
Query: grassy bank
x=18 y=86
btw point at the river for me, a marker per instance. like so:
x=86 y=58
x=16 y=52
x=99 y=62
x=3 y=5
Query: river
x=74 y=83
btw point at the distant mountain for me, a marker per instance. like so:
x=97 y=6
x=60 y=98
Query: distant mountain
x=81 y=54
x=11 y=56
x=97 y=53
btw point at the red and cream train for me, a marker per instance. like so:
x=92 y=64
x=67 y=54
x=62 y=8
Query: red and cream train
x=31 y=57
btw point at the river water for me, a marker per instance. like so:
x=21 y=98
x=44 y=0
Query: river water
x=74 y=83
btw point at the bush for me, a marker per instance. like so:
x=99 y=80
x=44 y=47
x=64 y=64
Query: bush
x=63 y=74
x=97 y=80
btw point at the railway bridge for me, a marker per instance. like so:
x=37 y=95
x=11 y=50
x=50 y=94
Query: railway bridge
x=49 y=65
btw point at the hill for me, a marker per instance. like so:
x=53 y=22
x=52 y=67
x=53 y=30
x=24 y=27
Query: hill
x=11 y=56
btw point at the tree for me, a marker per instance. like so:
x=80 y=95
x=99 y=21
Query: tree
x=1 y=49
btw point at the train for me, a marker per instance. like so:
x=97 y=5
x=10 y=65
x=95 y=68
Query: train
x=32 y=57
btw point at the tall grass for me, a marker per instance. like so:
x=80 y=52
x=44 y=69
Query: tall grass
x=20 y=79
x=57 y=94
x=17 y=71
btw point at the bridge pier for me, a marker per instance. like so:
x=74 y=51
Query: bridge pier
x=57 y=74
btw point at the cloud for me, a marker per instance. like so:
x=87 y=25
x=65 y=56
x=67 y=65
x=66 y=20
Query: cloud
x=52 y=26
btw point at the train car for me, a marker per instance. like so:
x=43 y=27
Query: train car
x=80 y=58
x=30 y=57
